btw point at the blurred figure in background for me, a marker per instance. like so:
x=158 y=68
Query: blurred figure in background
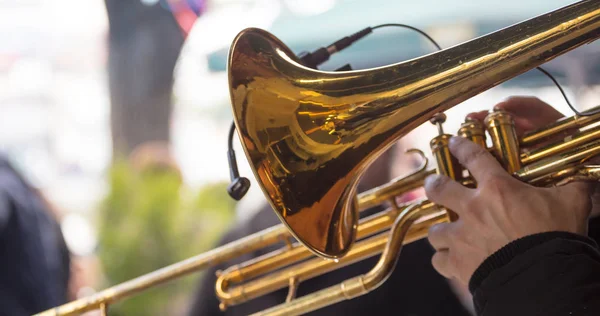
x=414 y=288
x=35 y=260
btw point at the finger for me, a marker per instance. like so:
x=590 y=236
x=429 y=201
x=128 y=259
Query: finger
x=479 y=116
x=529 y=113
x=444 y=191
x=476 y=159
x=439 y=236
x=529 y=107
x=441 y=263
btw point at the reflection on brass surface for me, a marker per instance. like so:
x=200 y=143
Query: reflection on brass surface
x=309 y=135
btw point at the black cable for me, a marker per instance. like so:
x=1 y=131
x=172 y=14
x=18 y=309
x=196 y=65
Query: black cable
x=587 y=113
x=565 y=95
x=230 y=139
x=409 y=27
x=239 y=185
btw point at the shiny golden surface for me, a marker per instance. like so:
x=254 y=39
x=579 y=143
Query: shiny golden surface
x=301 y=127
x=362 y=284
x=309 y=134
x=314 y=267
x=536 y=173
x=474 y=131
x=557 y=147
x=505 y=143
x=560 y=127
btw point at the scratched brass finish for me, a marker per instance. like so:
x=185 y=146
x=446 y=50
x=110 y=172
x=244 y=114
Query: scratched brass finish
x=300 y=127
x=309 y=135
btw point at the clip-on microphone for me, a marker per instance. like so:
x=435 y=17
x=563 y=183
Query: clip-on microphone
x=239 y=186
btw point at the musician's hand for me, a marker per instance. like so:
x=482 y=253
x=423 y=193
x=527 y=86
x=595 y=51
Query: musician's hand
x=530 y=113
x=500 y=210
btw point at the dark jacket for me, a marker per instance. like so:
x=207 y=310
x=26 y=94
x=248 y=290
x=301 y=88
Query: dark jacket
x=34 y=261
x=548 y=274
x=414 y=288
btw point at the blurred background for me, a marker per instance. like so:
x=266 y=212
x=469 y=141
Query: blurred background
x=96 y=94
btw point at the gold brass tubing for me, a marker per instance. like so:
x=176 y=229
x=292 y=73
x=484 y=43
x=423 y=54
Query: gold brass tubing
x=556 y=128
x=283 y=257
x=300 y=127
x=585 y=173
x=370 y=225
x=303 y=271
x=559 y=162
x=551 y=164
x=501 y=128
x=474 y=131
x=560 y=146
x=569 y=174
x=279 y=258
x=222 y=254
x=447 y=164
x=362 y=284
x=394 y=188
x=218 y=255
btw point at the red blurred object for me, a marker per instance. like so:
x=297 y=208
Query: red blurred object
x=186 y=12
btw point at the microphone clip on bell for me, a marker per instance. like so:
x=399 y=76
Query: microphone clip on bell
x=321 y=55
x=239 y=185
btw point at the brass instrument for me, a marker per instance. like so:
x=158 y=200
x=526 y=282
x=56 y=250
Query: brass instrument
x=309 y=135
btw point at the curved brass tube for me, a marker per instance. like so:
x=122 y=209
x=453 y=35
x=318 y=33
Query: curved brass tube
x=259 y=240
x=560 y=169
x=317 y=266
x=362 y=284
x=569 y=151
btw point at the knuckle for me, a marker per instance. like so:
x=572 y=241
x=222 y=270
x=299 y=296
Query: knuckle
x=439 y=263
x=472 y=154
x=435 y=183
x=471 y=204
x=496 y=187
x=437 y=232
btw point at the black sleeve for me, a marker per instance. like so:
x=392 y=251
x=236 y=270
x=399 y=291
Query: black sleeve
x=554 y=273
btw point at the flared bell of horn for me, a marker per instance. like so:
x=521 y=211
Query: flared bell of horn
x=309 y=135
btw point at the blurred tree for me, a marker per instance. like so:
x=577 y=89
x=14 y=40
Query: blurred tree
x=148 y=221
x=144 y=44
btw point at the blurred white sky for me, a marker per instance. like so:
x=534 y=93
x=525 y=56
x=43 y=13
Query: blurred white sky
x=54 y=105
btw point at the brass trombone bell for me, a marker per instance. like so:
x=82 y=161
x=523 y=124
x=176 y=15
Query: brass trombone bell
x=309 y=134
